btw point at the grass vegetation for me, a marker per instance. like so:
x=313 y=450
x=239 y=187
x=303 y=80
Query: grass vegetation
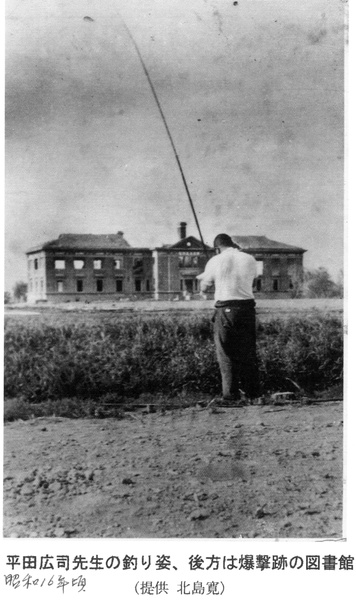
x=76 y=364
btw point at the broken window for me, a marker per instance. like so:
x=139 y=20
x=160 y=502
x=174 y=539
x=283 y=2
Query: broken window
x=118 y=263
x=275 y=284
x=291 y=266
x=99 y=285
x=186 y=260
x=275 y=267
x=292 y=270
x=258 y=284
x=259 y=268
x=138 y=263
x=137 y=285
x=78 y=264
x=119 y=285
x=80 y=285
x=59 y=264
x=188 y=285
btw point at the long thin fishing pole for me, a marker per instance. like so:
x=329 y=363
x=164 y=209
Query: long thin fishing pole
x=168 y=133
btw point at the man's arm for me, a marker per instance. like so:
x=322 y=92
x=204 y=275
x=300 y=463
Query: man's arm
x=207 y=278
x=204 y=286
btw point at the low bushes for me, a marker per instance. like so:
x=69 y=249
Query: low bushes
x=160 y=355
x=306 y=350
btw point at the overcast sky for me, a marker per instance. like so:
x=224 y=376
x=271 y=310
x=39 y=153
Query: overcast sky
x=253 y=95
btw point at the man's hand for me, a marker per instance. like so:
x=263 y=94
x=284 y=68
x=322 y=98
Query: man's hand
x=204 y=287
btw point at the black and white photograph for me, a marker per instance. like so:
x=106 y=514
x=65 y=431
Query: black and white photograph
x=174 y=272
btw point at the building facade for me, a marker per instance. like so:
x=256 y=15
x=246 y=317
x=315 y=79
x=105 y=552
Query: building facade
x=82 y=267
x=279 y=266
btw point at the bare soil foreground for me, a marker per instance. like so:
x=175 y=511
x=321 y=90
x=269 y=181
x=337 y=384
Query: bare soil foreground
x=256 y=471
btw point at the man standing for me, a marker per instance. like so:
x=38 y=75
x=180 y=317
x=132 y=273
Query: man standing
x=232 y=272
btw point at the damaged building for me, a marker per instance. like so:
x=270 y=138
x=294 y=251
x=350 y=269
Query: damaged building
x=90 y=267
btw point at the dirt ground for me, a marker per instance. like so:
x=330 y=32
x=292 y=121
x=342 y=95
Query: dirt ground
x=256 y=471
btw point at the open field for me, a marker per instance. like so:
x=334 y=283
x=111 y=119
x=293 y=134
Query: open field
x=116 y=357
x=264 y=471
x=268 y=472
x=264 y=307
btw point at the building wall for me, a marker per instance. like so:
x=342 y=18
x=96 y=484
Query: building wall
x=173 y=278
x=36 y=277
x=166 y=269
x=142 y=273
x=282 y=274
x=90 y=276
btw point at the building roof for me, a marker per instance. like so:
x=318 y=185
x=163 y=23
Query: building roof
x=262 y=243
x=113 y=242
x=85 y=241
x=188 y=243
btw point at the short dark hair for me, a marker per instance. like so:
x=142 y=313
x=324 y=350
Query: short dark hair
x=223 y=240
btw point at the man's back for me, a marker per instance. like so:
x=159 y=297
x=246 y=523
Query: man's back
x=232 y=273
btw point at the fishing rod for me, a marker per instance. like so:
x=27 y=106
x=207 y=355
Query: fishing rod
x=168 y=133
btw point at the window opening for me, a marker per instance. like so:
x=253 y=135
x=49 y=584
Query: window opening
x=259 y=268
x=275 y=265
x=78 y=264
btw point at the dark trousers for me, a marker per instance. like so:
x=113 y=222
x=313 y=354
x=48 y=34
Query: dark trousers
x=235 y=343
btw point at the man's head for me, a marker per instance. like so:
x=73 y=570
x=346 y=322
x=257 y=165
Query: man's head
x=223 y=240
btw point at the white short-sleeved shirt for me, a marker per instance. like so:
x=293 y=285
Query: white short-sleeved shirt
x=232 y=272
